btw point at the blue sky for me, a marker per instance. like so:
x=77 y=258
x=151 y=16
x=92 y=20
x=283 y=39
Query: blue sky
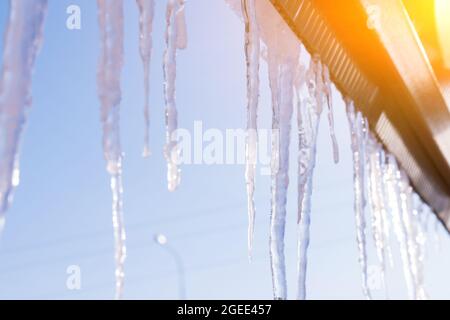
x=61 y=214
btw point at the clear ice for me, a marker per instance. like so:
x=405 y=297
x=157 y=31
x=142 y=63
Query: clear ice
x=309 y=111
x=252 y=53
x=175 y=39
x=23 y=39
x=146 y=13
x=357 y=131
x=110 y=16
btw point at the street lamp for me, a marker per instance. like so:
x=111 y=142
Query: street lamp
x=161 y=240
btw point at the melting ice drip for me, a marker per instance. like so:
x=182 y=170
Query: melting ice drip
x=176 y=38
x=146 y=13
x=378 y=179
x=110 y=15
x=23 y=40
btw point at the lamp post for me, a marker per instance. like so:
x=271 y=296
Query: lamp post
x=161 y=240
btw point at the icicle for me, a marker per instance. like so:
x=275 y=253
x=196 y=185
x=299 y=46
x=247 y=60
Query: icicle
x=329 y=99
x=394 y=196
x=405 y=221
x=357 y=143
x=303 y=242
x=146 y=12
x=282 y=114
x=175 y=39
x=411 y=231
x=109 y=75
x=308 y=117
x=23 y=40
x=252 y=53
x=386 y=225
x=376 y=199
x=282 y=66
x=420 y=242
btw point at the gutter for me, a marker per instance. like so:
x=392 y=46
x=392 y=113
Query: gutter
x=376 y=58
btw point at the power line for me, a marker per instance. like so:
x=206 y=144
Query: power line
x=140 y=245
x=134 y=226
x=197 y=268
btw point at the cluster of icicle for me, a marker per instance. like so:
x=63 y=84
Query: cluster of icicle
x=22 y=43
x=379 y=185
x=111 y=27
x=176 y=39
x=290 y=85
x=382 y=188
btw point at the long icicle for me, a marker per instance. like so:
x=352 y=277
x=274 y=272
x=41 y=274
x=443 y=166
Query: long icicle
x=252 y=53
x=394 y=196
x=387 y=225
x=146 y=13
x=411 y=226
x=109 y=89
x=308 y=117
x=281 y=78
x=175 y=39
x=376 y=200
x=329 y=98
x=23 y=40
x=420 y=240
x=357 y=142
x=278 y=215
